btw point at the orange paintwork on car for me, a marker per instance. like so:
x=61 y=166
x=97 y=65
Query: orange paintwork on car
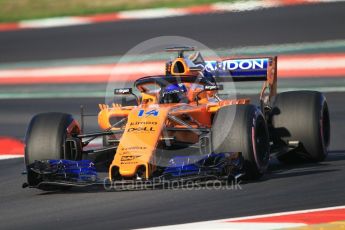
x=145 y=122
x=139 y=141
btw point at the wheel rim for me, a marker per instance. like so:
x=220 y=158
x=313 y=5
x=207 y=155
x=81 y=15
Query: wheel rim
x=325 y=126
x=260 y=141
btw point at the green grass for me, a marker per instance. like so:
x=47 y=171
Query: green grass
x=15 y=10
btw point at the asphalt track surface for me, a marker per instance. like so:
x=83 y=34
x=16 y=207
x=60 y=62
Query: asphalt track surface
x=305 y=23
x=283 y=188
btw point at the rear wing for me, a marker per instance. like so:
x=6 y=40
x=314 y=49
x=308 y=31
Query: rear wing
x=245 y=69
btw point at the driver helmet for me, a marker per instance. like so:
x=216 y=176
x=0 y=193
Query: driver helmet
x=175 y=93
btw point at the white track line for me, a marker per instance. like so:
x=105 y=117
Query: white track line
x=150 y=13
x=227 y=223
x=53 y=22
x=6 y=157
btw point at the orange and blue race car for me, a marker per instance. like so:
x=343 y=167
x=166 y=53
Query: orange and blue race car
x=182 y=128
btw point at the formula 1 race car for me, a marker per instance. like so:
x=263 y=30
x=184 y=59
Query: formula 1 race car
x=182 y=128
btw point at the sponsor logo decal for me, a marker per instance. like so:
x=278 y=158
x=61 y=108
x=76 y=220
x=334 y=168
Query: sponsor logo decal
x=143 y=123
x=134 y=148
x=123 y=91
x=237 y=65
x=141 y=129
x=213 y=87
x=129 y=158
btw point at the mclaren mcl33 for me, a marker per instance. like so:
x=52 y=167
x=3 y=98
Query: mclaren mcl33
x=180 y=127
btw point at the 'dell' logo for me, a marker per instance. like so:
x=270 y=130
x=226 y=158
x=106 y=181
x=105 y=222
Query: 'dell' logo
x=141 y=129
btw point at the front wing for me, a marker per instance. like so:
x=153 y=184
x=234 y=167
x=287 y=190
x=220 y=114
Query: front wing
x=59 y=174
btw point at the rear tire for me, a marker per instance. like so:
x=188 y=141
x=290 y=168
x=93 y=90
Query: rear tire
x=302 y=116
x=246 y=133
x=46 y=136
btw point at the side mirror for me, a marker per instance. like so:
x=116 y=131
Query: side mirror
x=213 y=87
x=123 y=91
x=208 y=88
x=126 y=91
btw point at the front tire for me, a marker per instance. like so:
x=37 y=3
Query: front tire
x=242 y=128
x=46 y=136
